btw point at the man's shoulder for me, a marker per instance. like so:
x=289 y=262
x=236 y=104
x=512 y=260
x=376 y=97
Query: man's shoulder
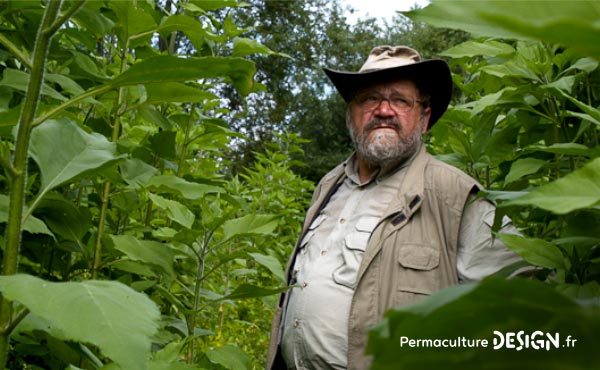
x=443 y=175
x=333 y=174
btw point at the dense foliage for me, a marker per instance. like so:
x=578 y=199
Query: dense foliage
x=151 y=187
x=116 y=191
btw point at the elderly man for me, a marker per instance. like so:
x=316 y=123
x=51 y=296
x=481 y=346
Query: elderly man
x=388 y=226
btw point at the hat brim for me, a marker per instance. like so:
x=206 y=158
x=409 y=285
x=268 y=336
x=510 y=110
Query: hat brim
x=432 y=76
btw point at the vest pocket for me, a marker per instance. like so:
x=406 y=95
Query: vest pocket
x=418 y=273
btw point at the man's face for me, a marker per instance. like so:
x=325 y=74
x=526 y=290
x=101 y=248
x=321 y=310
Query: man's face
x=386 y=122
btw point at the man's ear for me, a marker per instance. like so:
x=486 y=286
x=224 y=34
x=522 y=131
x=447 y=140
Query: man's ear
x=426 y=118
x=348 y=115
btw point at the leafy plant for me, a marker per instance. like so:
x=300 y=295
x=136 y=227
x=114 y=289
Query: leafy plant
x=115 y=207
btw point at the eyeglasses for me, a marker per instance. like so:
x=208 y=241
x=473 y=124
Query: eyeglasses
x=399 y=103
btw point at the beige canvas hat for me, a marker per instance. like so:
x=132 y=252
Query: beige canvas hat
x=389 y=63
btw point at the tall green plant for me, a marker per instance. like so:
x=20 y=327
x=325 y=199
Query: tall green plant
x=114 y=195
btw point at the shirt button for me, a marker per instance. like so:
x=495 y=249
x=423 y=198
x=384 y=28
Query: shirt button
x=296 y=323
x=304 y=284
x=323 y=253
x=342 y=221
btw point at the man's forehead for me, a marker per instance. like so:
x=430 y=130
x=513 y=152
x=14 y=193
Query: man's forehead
x=403 y=85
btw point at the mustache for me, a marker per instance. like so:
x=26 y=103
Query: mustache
x=378 y=123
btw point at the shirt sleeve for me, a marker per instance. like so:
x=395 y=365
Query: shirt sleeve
x=480 y=253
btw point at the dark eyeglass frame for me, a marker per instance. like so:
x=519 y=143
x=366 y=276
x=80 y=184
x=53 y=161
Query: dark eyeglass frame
x=369 y=101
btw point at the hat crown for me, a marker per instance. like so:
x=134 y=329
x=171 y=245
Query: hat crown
x=383 y=57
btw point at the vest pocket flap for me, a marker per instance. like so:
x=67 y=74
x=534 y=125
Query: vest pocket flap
x=418 y=256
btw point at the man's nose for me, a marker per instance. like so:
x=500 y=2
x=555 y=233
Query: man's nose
x=385 y=108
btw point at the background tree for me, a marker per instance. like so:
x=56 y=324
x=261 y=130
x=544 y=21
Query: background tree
x=299 y=97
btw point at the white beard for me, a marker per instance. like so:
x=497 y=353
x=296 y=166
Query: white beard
x=385 y=147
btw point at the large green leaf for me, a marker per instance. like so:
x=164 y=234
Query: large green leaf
x=538 y=252
x=568 y=23
x=577 y=190
x=147 y=251
x=476 y=312
x=228 y=356
x=250 y=224
x=107 y=314
x=176 y=92
x=63 y=152
x=271 y=263
x=188 y=190
x=523 y=167
x=175 y=210
x=168 y=68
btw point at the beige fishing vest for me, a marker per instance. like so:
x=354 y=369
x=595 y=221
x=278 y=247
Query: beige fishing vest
x=411 y=253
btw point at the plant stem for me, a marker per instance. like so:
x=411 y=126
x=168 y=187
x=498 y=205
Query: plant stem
x=19 y=181
x=116 y=129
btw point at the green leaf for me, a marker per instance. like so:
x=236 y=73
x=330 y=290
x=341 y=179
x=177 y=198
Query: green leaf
x=493 y=305
x=250 y=224
x=191 y=27
x=510 y=69
x=508 y=95
x=67 y=85
x=136 y=172
x=271 y=263
x=32 y=224
x=188 y=190
x=564 y=83
x=577 y=190
x=151 y=114
x=587 y=65
x=65 y=218
x=163 y=144
x=107 y=314
x=523 y=167
x=470 y=49
x=243 y=46
x=587 y=109
x=537 y=252
x=168 y=68
x=19 y=81
x=176 y=92
x=245 y=291
x=565 y=148
x=565 y=23
x=92 y=18
x=79 y=153
x=228 y=356
x=175 y=210
x=147 y=251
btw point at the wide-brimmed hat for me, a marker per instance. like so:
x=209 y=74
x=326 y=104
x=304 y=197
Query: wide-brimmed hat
x=389 y=63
